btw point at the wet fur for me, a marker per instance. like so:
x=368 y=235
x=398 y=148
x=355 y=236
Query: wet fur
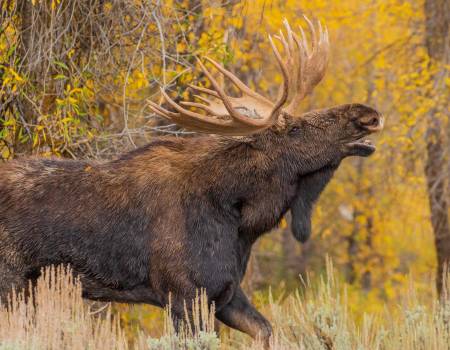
x=173 y=216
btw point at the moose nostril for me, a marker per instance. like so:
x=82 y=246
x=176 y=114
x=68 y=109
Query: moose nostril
x=370 y=122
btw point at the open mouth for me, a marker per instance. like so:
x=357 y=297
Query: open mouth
x=363 y=147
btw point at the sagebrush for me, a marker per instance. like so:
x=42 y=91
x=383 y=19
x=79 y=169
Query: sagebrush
x=317 y=316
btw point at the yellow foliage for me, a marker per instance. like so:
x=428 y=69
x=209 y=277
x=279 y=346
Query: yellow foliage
x=377 y=57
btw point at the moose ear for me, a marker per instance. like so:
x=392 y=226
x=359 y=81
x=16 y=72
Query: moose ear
x=301 y=211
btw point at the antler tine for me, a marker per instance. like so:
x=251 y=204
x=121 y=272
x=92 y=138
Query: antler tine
x=292 y=49
x=304 y=40
x=313 y=32
x=181 y=110
x=204 y=90
x=201 y=98
x=174 y=117
x=285 y=87
x=226 y=100
x=203 y=107
x=236 y=81
x=157 y=109
x=286 y=46
x=309 y=65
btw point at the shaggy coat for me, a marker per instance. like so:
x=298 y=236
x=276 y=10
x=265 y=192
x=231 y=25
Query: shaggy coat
x=174 y=216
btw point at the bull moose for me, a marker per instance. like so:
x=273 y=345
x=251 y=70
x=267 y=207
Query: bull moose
x=181 y=214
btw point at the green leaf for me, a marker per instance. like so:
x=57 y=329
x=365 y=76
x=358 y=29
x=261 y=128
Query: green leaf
x=11 y=50
x=61 y=64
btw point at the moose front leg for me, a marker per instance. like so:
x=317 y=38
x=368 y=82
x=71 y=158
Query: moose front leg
x=241 y=315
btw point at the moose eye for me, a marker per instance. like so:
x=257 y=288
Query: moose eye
x=294 y=130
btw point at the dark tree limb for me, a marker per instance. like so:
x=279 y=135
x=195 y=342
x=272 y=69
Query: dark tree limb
x=437 y=40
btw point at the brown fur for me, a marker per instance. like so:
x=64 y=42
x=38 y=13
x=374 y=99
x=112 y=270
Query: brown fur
x=173 y=216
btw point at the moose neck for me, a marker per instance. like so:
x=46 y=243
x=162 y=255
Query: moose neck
x=260 y=178
x=252 y=180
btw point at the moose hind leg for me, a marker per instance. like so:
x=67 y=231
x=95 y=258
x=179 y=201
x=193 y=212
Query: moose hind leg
x=10 y=279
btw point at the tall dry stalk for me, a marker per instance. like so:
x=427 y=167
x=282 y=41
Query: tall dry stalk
x=321 y=318
x=56 y=317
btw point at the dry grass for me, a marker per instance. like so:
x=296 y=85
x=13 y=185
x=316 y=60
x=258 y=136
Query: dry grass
x=318 y=319
x=59 y=320
x=321 y=319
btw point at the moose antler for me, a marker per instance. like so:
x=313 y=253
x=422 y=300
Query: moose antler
x=245 y=115
x=307 y=65
x=252 y=112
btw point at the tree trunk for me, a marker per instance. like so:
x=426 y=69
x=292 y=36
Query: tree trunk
x=437 y=40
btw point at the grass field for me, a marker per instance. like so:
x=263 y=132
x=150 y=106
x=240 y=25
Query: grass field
x=319 y=317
